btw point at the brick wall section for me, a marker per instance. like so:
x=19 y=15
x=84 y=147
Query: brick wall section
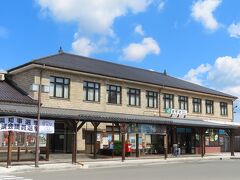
x=25 y=79
x=209 y=150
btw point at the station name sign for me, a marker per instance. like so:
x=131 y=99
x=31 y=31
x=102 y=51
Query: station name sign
x=177 y=113
x=26 y=125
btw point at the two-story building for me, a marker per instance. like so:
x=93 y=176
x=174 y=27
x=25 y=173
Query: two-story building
x=95 y=103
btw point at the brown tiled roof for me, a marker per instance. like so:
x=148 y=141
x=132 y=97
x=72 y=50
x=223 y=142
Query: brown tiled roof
x=9 y=93
x=99 y=67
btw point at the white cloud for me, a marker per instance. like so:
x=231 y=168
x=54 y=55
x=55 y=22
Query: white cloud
x=225 y=72
x=161 y=5
x=3 y=32
x=202 y=11
x=223 y=75
x=83 y=46
x=139 y=30
x=234 y=30
x=138 y=51
x=92 y=16
x=195 y=75
x=95 y=18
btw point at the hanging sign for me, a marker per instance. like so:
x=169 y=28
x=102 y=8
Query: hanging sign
x=46 y=126
x=147 y=129
x=27 y=125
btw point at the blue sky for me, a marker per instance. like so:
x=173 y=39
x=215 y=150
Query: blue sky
x=197 y=40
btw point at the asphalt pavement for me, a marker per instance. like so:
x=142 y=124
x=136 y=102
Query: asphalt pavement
x=197 y=170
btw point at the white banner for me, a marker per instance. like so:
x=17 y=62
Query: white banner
x=27 y=125
x=46 y=127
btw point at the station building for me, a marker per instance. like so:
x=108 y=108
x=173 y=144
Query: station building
x=97 y=105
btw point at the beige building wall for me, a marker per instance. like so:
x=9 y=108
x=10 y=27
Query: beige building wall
x=27 y=78
x=76 y=101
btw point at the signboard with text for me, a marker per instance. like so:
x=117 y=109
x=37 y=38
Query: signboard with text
x=177 y=113
x=147 y=129
x=27 y=125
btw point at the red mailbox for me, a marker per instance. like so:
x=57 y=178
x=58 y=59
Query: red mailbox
x=128 y=147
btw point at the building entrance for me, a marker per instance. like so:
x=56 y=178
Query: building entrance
x=185 y=140
x=61 y=141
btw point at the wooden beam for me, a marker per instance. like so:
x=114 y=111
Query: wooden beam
x=47 y=147
x=80 y=125
x=137 y=142
x=174 y=133
x=137 y=145
x=166 y=146
x=123 y=129
x=232 y=141
x=202 y=137
x=18 y=153
x=95 y=125
x=74 y=143
x=113 y=132
x=123 y=147
x=9 y=153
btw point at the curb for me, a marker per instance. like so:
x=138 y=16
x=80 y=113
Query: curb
x=106 y=164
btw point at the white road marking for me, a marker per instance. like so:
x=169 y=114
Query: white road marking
x=7 y=177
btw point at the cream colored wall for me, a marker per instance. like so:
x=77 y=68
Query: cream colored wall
x=87 y=126
x=202 y=115
x=76 y=96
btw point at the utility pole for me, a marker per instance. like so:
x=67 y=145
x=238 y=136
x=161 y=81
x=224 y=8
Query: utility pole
x=38 y=120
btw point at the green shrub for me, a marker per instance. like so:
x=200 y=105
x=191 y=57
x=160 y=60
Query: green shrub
x=118 y=148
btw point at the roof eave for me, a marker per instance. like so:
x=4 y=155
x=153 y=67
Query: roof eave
x=38 y=64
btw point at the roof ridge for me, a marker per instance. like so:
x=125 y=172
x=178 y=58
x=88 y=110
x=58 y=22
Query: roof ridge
x=159 y=78
x=104 y=61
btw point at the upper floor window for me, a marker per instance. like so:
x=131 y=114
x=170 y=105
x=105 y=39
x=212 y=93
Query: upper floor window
x=223 y=109
x=152 y=99
x=59 y=87
x=134 y=97
x=168 y=101
x=197 y=105
x=209 y=107
x=114 y=94
x=183 y=102
x=91 y=91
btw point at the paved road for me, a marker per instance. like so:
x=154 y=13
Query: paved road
x=202 y=170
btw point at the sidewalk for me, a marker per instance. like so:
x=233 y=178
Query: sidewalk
x=107 y=163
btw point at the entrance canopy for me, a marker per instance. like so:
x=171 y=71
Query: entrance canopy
x=95 y=116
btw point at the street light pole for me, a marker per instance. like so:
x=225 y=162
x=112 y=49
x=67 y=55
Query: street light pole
x=38 y=120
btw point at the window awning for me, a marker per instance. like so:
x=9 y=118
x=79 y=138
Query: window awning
x=83 y=115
